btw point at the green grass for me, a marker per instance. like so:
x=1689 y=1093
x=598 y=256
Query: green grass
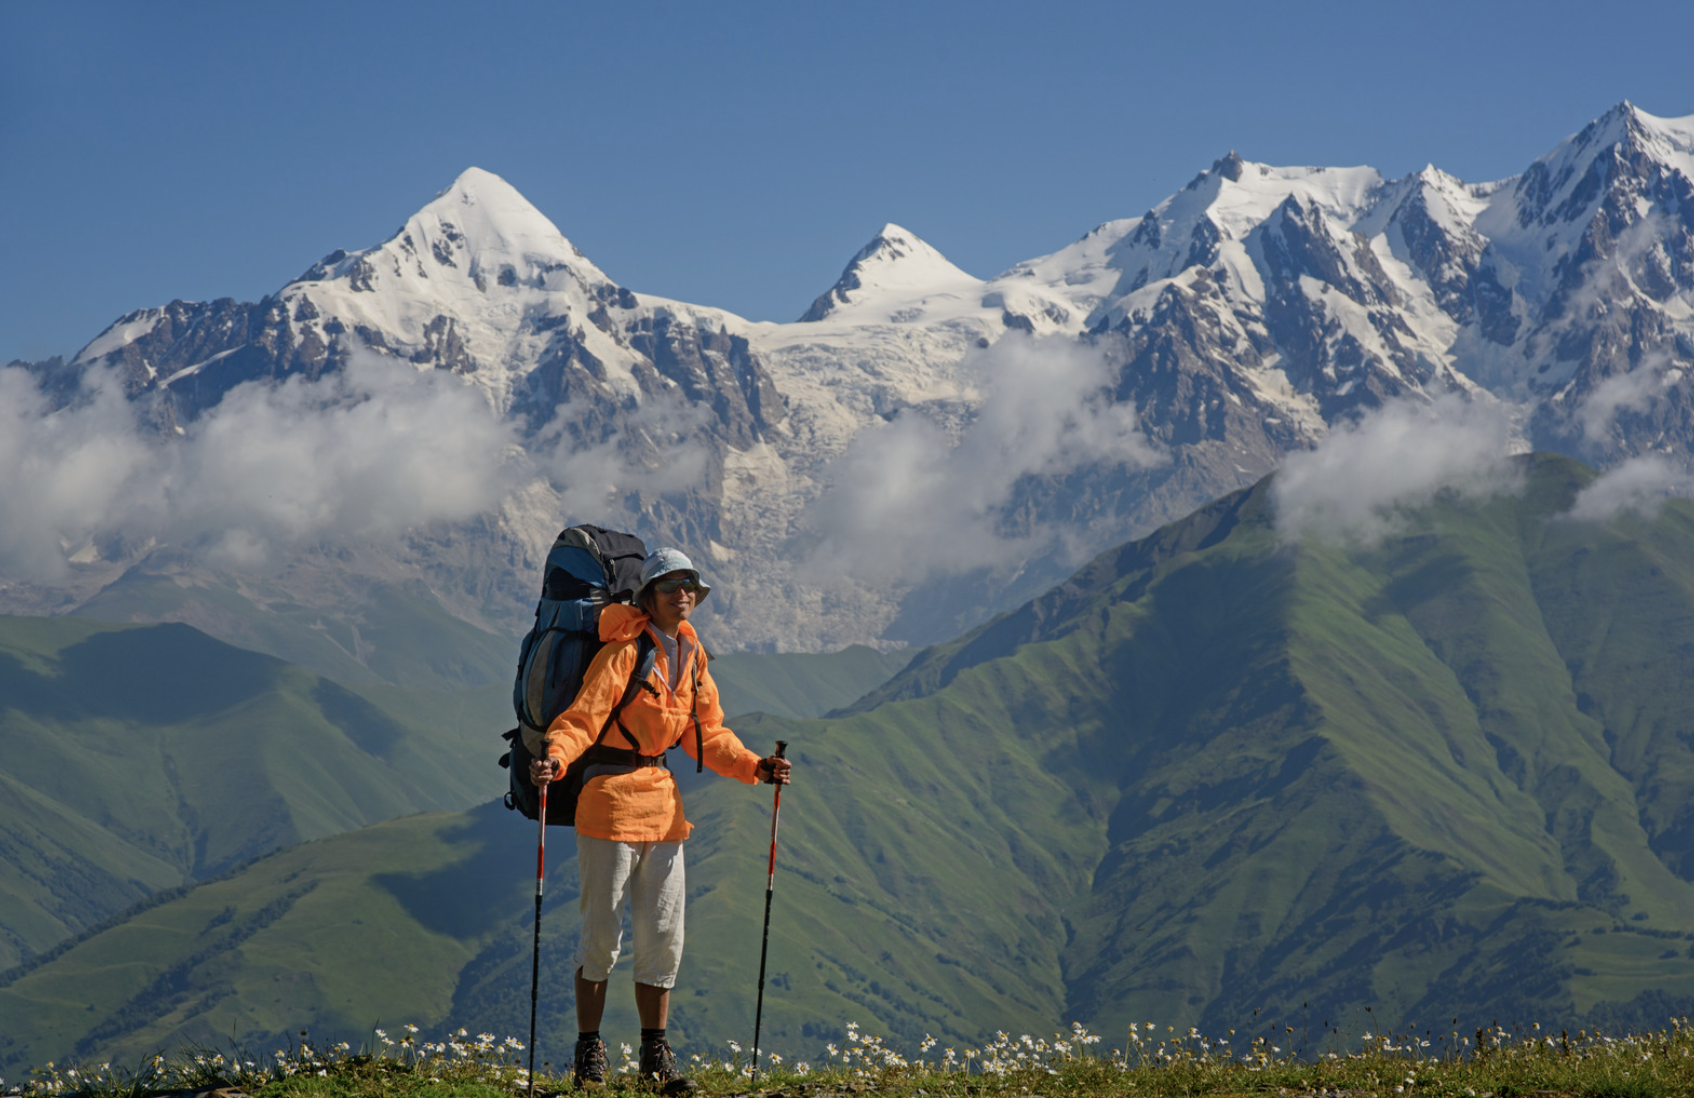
x=1495 y=1063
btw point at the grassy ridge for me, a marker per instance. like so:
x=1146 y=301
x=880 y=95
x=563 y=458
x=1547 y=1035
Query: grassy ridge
x=225 y=931
x=1405 y=806
x=138 y=758
x=364 y=632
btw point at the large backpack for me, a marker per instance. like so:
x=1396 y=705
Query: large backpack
x=588 y=569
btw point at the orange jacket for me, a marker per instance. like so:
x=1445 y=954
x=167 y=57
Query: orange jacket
x=644 y=806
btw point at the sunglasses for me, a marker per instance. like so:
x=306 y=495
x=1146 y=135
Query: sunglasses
x=670 y=587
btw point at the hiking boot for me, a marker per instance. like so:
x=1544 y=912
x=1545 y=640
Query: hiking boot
x=658 y=1068
x=590 y=1066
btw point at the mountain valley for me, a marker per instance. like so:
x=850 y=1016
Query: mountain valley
x=1218 y=778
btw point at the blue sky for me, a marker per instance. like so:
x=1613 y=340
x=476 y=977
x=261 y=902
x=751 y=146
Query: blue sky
x=732 y=154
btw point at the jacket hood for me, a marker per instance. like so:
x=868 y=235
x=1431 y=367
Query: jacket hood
x=621 y=622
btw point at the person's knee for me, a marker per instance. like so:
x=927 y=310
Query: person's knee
x=597 y=969
x=659 y=981
x=595 y=956
x=658 y=963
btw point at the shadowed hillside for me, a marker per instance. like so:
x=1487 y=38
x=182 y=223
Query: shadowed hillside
x=142 y=758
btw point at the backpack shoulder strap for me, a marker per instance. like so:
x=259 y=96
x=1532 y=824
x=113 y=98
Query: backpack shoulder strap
x=694 y=710
x=646 y=652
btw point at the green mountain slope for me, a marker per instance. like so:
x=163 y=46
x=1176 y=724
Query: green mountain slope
x=229 y=968
x=1213 y=774
x=802 y=685
x=1445 y=776
x=362 y=630
x=141 y=758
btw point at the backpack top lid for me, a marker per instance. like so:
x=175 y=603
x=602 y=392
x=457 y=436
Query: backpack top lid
x=607 y=559
x=570 y=568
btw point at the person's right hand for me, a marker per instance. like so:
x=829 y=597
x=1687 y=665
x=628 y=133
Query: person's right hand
x=542 y=771
x=773 y=770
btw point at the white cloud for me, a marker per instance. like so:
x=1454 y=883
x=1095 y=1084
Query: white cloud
x=63 y=474
x=1641 y=484
x=366 y=453
x=1627 y=392
x=907 y=500
x=1358 y=483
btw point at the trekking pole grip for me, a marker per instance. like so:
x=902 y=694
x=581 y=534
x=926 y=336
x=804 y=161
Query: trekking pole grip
x=781 y=746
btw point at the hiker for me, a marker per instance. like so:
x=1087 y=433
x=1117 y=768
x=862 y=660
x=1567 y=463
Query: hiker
x=629 y=822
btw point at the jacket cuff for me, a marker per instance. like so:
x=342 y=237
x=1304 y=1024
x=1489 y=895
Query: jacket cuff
x=749 y=770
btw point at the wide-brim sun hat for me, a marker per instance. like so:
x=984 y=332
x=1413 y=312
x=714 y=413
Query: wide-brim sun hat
x=662 y=562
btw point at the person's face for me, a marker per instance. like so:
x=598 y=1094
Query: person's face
x=673 y=599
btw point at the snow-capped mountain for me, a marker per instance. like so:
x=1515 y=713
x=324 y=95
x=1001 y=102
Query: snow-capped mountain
x=1596 y=241
x=888 y=273
x=478 y=283
x=1236 y=321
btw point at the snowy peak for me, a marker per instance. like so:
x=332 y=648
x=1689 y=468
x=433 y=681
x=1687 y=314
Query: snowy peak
x=1230 y=167
x=1243 y=193
x=480 y=230
x=1429 y=202
x=490 y=222
x=896 y=264
x=478 y=282
x=1122 y=266
x=1568 y=184
x=1670 y=140
x=1438 y=189
x=1232 y=199
x=1613 y=201
x=1628 y=130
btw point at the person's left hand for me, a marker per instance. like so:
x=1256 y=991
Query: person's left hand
x=773 y=770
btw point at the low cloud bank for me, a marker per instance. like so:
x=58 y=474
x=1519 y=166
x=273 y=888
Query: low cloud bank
x=1634 y=391
x=366 y=453
x=64 y=475
x=1640 y=485
x=908 y=500
x=1357 y=485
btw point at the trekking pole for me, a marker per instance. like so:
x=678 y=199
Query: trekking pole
x=770 y=884
x=535 y=955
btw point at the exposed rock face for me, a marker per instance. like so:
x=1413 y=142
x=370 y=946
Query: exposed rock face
x=1240 y=319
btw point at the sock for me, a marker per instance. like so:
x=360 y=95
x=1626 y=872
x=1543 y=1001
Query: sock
x=652 y=1035
x=588 y=1035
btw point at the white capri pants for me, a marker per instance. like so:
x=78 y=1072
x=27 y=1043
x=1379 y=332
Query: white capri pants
x=649 y=879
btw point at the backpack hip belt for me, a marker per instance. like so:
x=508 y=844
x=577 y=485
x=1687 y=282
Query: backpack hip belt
x=601 y=759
